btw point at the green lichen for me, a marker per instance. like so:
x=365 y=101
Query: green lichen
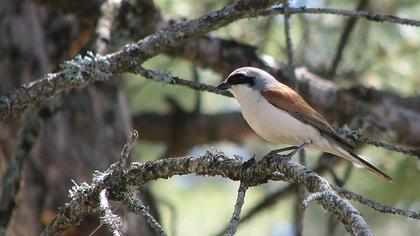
x=85 y=69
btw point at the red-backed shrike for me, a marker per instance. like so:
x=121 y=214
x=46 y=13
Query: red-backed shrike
x=280 y=115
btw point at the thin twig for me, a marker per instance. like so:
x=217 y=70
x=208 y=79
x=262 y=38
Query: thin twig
x=167 y=78
x=108 y=218
x=299 y=212
x=136 y=206
x=344 y=38
x=376 y=205
x=357 y=136
x=395 y=148
x=234 y=221
x=289 y=45
x=198 y=97
x=11 y=180
x=342 y=12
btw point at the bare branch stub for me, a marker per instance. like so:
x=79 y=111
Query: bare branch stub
x=125 y=153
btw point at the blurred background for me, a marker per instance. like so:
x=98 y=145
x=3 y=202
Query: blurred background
x=86 y=128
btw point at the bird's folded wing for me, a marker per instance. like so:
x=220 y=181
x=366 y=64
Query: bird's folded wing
x=289 y=101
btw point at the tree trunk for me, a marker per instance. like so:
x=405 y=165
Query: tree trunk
x=86 y=128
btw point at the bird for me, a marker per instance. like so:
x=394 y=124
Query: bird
x=281 y=116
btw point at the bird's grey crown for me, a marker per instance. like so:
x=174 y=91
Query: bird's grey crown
x=251 y=76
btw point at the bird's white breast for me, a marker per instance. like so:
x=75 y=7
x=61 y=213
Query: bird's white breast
x=271 y=123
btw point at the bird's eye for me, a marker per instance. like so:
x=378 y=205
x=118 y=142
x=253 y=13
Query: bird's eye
x=240 y=79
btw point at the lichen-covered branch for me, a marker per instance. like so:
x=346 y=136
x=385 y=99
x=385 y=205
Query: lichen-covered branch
x=395 y=148
x=107 y=217
x=376 y=205
x=85 y=70
x=84 y=198
x=272 y=198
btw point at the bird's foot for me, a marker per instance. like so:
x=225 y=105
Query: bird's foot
x=250 y=162
x=280 y=150
x=298 y=149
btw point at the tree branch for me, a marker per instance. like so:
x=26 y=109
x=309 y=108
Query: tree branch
x=234 y=221
x=112 y=221
x=167 y=78
x=300 y=212
x=11 y=180
x=85 y=70
x=369 y=16
x=272 y=198
x=137 y=207
x=84 y=198
x=289 y=45
x=376 y=205
x=395 y=148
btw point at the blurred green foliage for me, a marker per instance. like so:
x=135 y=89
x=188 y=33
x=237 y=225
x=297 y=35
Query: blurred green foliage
x=381 y=55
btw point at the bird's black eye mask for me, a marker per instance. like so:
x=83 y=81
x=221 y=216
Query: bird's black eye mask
x=240 y=79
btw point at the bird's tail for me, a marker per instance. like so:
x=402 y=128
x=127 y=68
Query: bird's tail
x=351 y=156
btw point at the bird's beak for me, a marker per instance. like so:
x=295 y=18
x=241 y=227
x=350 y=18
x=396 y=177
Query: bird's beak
x=223 y=86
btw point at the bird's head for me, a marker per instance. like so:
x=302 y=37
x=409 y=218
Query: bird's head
x=247 y=78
